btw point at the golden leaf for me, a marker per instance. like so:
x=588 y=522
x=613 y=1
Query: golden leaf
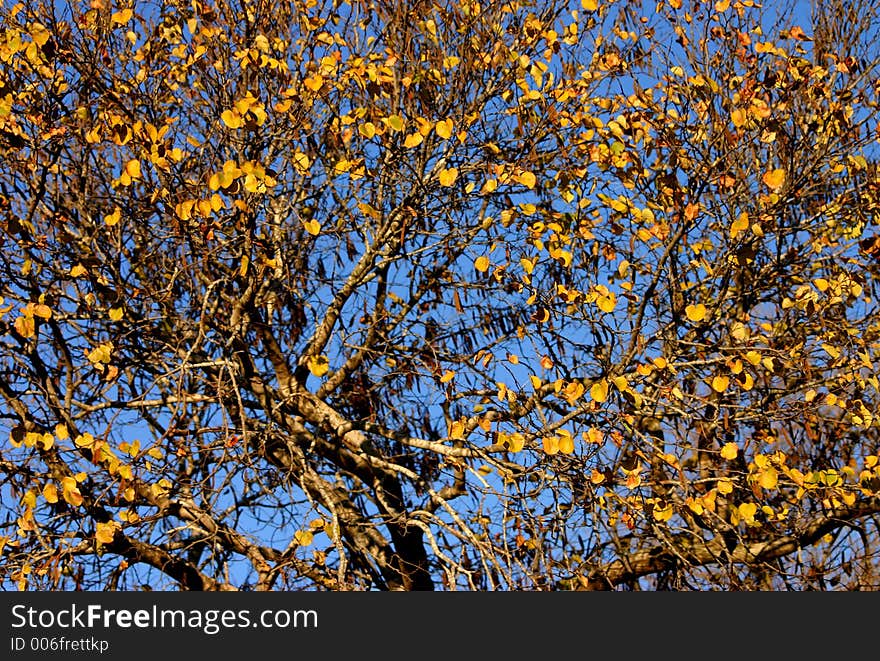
x=104 y=532
x=590 y=5
x=304 y=537
x=516 y=442
x=115 y=314
x=769 y=478
x=312 y=226
x=448 y=176
x=481 y=263
x=729 y=451
x=122 y=17
x=444 y=128
x=741 y=224
x=695 y=312
x=112 y=218
x=527 y=179
x=774 y=178
x=318 y=365
x=133 y=168
x=565 y=442
x=413 y=140
x=50 y=493
x=395 y=122
x=231 y=118
x=607 y=302
x=599 y=391
x=314 y=83
x=720 y=383
x=25 y=327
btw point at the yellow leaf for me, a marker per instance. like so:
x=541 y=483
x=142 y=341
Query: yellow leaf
x=774 y=178
x=831 y=350
x=25 y=327
x=741 y=224
x=121 y=17
x=720 y=383
x=724 y=486
x=115 y=314
x=448 y=176
x=481 y=263
x=597 y=477
x=527 y=179
x=513 y=359
x=104 y=532
x=50 y=493
x=71 y=493
x=312 y=226
x=516 y=442
x=769 y=478
x=590 y=5
x=753 y=357
x=565 y=442
x=133 y=168
x=456 y=430
x=231 y=118
x=318 y=365
x=77 y=271
x=550 y=444
x=303 y=537
x=112 y=218
x=444 y=128
x=607 y=302
x=663 y=513
x=695 y=312
x=448 y=375
x=43 y=311
x=413 y=140
x=395 y=122
x=722 y=6
x=367 y=129
x=314 y=83
x=599 y=391
x=747 y=511
x=729 y=451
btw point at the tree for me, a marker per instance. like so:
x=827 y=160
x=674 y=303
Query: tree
x=439 y=295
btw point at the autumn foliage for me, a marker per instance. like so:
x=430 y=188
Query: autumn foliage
x=525 y=295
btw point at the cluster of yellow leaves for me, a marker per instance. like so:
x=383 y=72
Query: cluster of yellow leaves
x=247 y=111
x=561 y=441
x=25 y=324
x=100 y=355
x=605 y=299
x=256 y=179
x=130 y=172
x=204 y=207
x=513 y=442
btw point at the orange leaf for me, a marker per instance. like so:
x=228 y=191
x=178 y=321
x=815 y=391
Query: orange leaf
x=774 y=178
